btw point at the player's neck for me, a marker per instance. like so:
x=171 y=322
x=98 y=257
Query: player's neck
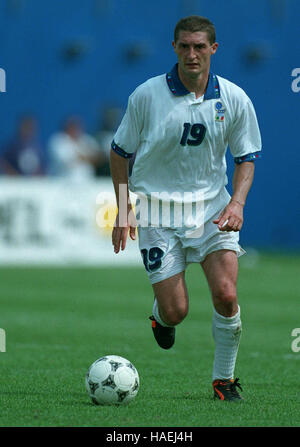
x=197 y=84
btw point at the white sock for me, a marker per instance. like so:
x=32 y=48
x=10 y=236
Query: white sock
x=156 y=315
x=227 y=334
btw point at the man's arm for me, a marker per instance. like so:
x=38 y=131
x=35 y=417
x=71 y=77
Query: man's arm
x=125 y=219
x=231 y=218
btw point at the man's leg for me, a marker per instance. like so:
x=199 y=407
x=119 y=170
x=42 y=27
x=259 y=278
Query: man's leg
x=169 y=309
x=164 y=260
x=171 y=299
x=221 y=270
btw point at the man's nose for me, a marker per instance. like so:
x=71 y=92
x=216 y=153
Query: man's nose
x=191 y=53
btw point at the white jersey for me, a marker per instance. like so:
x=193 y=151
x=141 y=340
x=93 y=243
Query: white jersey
x=65 y=152
x=180 y=141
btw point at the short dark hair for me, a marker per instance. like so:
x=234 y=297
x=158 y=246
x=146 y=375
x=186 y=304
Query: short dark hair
x=194 y=24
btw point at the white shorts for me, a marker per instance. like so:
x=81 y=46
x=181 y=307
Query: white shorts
x=168 y=251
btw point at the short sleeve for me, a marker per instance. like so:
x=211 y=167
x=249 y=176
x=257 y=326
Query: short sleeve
x=244 y=137
x=127 y=137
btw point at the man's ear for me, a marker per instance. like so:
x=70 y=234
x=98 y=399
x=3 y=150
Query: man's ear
x=214 y=47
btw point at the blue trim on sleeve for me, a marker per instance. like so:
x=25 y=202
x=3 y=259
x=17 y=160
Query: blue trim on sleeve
x=248 y=157
x=118 y=150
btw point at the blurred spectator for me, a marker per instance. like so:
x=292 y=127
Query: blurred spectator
x=73 y=153
x=110 y=120
x=23 y=154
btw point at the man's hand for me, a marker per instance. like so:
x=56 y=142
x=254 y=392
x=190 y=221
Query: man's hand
x=120 y=230
x=231 y=218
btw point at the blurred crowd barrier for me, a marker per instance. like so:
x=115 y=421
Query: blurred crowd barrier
x=47 y=221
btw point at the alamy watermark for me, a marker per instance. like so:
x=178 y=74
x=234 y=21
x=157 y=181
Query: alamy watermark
x=2 y=81
x=296 y=82
x=158 y=209
x=296 y=342
x=2 y=340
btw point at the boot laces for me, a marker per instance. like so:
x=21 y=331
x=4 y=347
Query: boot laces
x=234 y=385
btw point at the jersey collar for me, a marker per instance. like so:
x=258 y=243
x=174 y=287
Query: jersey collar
x=178 y=89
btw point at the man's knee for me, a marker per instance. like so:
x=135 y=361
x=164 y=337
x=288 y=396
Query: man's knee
x=174 y=315
x=225 y=298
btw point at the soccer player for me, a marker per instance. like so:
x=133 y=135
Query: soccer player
x=179 y=125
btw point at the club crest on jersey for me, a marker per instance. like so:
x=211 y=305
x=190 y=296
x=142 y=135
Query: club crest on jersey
x=220 y=112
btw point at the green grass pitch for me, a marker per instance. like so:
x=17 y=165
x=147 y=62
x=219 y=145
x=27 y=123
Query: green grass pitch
x=59 y=320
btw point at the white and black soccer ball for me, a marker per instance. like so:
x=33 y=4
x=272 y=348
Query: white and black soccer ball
x=112 y=380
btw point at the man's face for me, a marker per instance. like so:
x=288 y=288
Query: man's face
x=194 y=52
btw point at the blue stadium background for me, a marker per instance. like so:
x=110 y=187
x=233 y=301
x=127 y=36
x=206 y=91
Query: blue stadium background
x=72 y=56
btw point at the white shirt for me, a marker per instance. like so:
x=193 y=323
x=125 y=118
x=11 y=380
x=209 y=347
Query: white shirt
x=180 y=141
x=64 y=153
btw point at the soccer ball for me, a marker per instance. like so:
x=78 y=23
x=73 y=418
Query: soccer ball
x=112 y=380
